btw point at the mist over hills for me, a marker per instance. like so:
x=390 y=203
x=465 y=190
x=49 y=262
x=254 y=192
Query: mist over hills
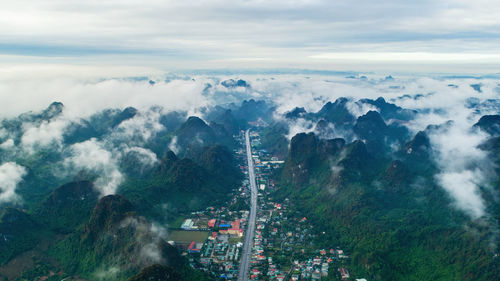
x=402 y=171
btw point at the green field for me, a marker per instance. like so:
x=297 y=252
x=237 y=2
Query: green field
x=181 y=236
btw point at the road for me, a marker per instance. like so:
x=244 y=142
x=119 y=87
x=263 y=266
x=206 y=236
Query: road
x=247 y=244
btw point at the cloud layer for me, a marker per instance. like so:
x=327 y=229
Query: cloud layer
x=252 y=33
x=436 y=99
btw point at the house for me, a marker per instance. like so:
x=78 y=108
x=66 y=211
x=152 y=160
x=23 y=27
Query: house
x=193 y=249
x=187 y=224
x=344 y=273
x=211 y=223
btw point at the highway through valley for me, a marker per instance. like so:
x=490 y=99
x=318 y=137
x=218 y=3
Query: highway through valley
x=246 y=253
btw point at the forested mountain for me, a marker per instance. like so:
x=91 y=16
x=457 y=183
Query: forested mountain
x=376 y=189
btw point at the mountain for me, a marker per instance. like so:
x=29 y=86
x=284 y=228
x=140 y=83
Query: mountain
x=229 y=122
x=252 y=110
x=389 y=110
x=489 y=124
x=337 y=113
x=194 y=134
x=231 y=83
x=109 y=211
x=389 y=215
x=184 y=185
x=309 y=154
x=115 y=237
x=18 y=233
x=297 y=112
x=157 y=273
x=273 y=139
x=372 y=128
x=97 y=125
x=68 y=206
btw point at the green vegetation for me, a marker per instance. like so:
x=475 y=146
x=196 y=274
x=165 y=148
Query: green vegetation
x=389 y=215
x=18 y=233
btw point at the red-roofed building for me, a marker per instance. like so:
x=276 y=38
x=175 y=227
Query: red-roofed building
x=213 y=236
x=192 y=248
x=235 y=229
x=211 y=223
x=235 y=224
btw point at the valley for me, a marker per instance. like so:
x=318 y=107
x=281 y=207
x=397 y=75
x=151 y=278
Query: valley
x=354 y=189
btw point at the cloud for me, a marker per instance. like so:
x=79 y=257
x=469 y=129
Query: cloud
x=149 y=236
x=92 y=156
x=299 y=125
x=145 y=156
x=108 y=273
x=140 y=128
x=47 y=133
x=83 y=96
x=8 y=144
x=463 y=185
x=11 y=174
x=174 y=146
x=464 y=167
x=255 y=33
x=358 y=108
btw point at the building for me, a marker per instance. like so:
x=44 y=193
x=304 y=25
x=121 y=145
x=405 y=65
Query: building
x=344 y=273
x=211 y=223
x=235 y=229
x=193 y=249
x=187 y=224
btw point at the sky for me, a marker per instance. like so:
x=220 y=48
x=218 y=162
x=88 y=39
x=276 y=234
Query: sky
x=448 y=36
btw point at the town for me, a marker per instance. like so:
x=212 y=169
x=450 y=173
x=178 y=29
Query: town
x=283 y=243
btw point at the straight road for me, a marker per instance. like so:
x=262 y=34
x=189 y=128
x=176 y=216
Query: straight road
x=247 y=245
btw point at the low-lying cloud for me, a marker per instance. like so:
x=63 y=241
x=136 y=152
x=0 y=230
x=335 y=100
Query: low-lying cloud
x=463 y=166
x=91 y=156
x=11 y=174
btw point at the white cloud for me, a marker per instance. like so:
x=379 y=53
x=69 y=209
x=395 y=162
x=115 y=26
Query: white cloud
x=358 y=108
x=299 y=125
x=148 y=236
x=464 y=167
x=84 y=96
x=92 y=156
x=145 y=156
x=46 y=134
x=11 y=174
x=463 y=186
x=108 y=273
x=245 y=33
x=140 y=128
x=8 y=144
x=174 y=146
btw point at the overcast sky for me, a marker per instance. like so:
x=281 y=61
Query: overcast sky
x=342 y=34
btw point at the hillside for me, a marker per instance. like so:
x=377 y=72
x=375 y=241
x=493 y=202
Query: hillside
x=115 y=243
x=394 y=228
